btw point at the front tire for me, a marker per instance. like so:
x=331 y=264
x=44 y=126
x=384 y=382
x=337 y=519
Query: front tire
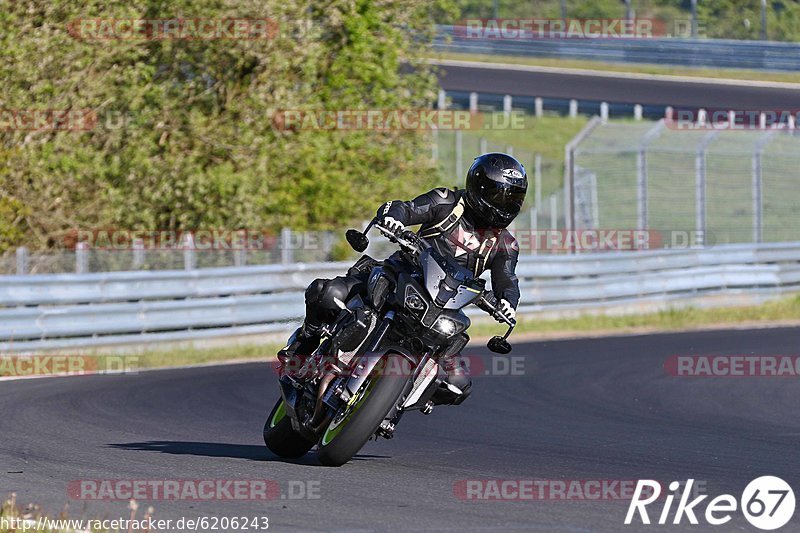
x=279 y=436
x=352 y=428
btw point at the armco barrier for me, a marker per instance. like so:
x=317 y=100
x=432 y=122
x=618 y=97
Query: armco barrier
x=59 y=311
x=760 y=55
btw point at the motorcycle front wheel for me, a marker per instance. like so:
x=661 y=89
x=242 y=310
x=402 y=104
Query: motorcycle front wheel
x=354 y=424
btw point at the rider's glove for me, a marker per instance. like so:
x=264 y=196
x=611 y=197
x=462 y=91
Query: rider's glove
x=507 y=309
x=393 y=224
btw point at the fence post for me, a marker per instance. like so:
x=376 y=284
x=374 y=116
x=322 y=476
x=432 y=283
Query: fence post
x=435 y=145
x=441 y=103
x=286 y=246
x=553 y=212
x=758 y=192
x=81 y=258
x=22 y=261
x=604 y=112
x=637 y=112
x=507 y=104
x=573 y=108
x=537 y=182
x=483 y=145
x=569 y=175
x=473 y=102
x=700 y=187
x=757 y=203
x=641 y=175
x=189 y=260
x=641 y=188
x=538 y=107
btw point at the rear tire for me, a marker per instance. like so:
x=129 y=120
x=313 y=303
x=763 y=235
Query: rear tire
x=342 y=441
x=279 y=436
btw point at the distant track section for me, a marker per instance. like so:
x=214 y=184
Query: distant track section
x=522 y=81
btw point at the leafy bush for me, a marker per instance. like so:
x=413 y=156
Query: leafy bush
x=184 y=137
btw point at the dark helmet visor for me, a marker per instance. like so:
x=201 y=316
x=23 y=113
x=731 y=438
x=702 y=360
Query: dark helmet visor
x=504 y=198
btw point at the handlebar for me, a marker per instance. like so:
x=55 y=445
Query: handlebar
x=488 y=302
x=408 y=240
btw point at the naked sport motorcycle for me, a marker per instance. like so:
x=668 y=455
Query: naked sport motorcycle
x=379 y=358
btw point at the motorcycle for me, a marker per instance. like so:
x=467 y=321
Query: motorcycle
x=380 y=357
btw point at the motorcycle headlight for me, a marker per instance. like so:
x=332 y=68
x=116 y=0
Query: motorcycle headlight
x=447 y=326
x=413 y=300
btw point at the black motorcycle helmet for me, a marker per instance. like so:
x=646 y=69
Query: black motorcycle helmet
x=496 y=187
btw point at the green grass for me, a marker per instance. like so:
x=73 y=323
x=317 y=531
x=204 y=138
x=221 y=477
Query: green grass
x=196 y=356
x=644 y=68
x=785 y=309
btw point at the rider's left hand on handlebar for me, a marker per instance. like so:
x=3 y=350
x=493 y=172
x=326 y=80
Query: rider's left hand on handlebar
x=507 y=309
x=393 y=224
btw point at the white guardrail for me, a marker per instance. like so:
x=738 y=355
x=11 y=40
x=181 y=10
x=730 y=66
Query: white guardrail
x=61 y=311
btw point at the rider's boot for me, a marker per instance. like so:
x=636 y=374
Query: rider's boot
x=303 y=342
x=458 y=385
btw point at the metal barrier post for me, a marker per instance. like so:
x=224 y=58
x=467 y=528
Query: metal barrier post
x=507 y=104
x=22 y=261
x=81 y=258
x=138 y=253
x=189 y=261
x=286 y=246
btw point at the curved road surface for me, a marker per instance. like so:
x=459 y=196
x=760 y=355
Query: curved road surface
x=615 y=88
x=592 y=409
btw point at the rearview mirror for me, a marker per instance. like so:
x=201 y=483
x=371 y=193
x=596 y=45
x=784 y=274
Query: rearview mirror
x=357 y=240
x=499 y=345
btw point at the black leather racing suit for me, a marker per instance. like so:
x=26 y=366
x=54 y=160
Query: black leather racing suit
x=447 y=224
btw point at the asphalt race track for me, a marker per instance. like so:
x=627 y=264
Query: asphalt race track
x=618 y=89
x=592 y=409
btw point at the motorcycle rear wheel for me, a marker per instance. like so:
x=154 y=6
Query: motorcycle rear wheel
x=279 y=436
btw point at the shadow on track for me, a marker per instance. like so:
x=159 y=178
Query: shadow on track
x=219 y=449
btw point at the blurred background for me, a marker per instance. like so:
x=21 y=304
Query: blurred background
x=182 y=139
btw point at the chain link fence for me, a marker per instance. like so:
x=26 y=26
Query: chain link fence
x=721 y=186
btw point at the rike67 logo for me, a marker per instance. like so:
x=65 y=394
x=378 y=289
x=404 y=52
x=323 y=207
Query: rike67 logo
x=767 y=503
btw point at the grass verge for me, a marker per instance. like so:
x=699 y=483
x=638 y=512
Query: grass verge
x=786 y=309
x=643 y=68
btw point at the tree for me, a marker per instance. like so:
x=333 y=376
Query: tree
x=183 y=137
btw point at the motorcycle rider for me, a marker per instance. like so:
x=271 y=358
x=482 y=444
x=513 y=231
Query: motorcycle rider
x=468 y=225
